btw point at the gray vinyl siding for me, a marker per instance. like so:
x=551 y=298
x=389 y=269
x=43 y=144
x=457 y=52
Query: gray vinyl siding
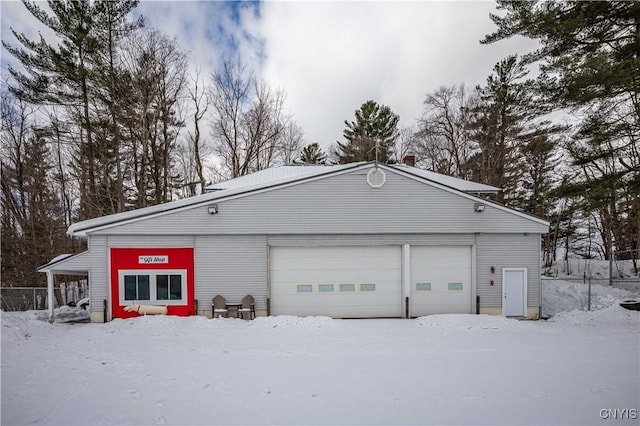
x=143 y=241
x=506 y=251
x=342 y=204
x=97 y=262
x=371 y=240
x=232 y=266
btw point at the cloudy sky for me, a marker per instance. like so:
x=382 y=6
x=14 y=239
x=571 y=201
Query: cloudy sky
x=329 y=57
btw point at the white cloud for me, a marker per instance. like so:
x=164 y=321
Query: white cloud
x=330 y=57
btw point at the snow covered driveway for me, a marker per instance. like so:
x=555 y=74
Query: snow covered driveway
x=445 y=369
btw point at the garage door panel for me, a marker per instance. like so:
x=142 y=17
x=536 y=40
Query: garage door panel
x=444 y=275
x=315 y=266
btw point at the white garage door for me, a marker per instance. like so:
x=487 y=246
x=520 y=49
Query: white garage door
x=440 y=280
x=340 y=282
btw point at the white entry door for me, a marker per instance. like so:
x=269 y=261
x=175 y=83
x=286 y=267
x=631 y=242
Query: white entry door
x=514 y=292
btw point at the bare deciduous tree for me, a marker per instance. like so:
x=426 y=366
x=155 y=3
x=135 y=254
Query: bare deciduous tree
x=443 y=138
x=157 y=68
x=291 y=143
x=200 y=104
x=32 y=222
x=248 y=121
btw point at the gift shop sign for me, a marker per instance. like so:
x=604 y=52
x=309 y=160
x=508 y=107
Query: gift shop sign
x=150 y=260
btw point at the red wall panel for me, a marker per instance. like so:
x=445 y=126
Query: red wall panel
x=129 y=259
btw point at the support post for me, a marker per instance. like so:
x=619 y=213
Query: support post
x=406 y=307
x=406 y=278
x=50 y=294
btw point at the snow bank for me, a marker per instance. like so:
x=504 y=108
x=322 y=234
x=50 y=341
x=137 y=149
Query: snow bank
x=203 y=323
x=291 y=321
x=18 y=326
x=69 y=314
x=564 y=296
x=613 y=316
x=457 y=322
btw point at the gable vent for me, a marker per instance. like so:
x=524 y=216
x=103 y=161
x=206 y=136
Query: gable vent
x=376 y=178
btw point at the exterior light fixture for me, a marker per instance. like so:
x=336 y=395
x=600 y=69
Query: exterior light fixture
x=478 y=207
x=213 y=209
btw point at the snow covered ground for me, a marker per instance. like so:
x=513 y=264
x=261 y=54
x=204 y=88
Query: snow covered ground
x=576 y=368
x=563 y=296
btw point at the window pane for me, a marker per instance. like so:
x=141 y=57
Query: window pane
x=423 y=286
x=143 y=287
x=175 y=290
x=367 y=287
x=129 y=287
x=347 y=287
x=325 y=287
x=162 y=287
x=304 y=288
x=455 y=286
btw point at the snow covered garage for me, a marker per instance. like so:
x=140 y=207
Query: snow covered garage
x=349 y=241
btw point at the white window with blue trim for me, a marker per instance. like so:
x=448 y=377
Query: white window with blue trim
x=154 y=287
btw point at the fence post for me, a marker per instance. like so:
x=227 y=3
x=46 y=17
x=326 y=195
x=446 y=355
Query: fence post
x=589 y=296
x=611 y=266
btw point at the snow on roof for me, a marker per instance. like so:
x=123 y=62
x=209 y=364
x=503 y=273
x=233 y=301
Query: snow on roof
x=290 y=172
x=450 y=181
x=274 y=174
x=58 y=261
x=264 y=179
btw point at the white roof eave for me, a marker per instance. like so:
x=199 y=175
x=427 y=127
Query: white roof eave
x=56 y=264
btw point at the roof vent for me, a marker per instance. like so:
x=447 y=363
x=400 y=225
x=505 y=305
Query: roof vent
x=376 y=178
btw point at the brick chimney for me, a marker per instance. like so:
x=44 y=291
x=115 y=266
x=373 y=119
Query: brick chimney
x=409 y=160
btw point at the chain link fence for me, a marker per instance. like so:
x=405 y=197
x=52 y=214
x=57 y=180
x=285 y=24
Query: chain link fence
x=621 y=272
x=35 y=298
x=23 y=298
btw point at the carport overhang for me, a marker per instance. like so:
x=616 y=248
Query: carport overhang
x=65 y=264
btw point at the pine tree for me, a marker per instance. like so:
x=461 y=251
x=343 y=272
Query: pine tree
x=371 y=136
x=498 y=125
x=590 y=62
x=514 y=148
x=312 y=154
x=71 y=74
